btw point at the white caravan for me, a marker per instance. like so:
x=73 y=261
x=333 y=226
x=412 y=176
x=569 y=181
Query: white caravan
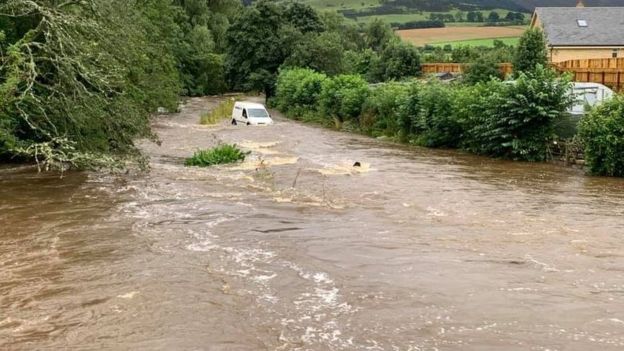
x=250 y=113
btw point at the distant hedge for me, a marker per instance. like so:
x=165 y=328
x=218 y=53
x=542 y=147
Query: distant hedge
x=419 y=24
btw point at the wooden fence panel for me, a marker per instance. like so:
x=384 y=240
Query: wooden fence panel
x=609 y=72
x=432 y=68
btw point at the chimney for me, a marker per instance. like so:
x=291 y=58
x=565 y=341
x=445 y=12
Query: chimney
x=579 y=3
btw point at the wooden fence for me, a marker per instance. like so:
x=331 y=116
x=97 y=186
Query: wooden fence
x=432 y=68
x=609 y=72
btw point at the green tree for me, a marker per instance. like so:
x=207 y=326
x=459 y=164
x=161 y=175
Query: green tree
x=531 y=51
x=493 y=17
x=256 y=47
x=304 y=18
x=321 y=52
x=378 y=35
x=397 y=60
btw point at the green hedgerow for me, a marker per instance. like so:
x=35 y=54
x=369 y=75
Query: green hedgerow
x=602 y=133
x=221 y=154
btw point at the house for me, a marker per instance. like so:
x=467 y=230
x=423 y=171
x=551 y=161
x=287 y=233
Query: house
x=581 y=32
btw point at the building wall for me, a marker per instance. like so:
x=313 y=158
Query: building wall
x=565 y=54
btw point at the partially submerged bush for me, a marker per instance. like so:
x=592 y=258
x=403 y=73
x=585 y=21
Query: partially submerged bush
x=517 y=119
x=221 y=112
x=380 y=113
x=221 y=154
x=342 y=97
x=602 y=132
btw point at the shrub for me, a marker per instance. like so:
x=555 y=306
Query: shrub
x=219 y=155
x=602 y=132
x=380 y=113
x=482 y=70
x=221 y=112
x=516 y=120
x=436 y=120
x=342 y=97
x=298 y=91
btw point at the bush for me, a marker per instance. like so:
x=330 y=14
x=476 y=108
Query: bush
x=221 y=154
x=516 y=120
x=436 y=122
x=342 y=97
x=602 y=132
x=298 y=91
x=381 y=110
x=482 y=70
x=221 y=112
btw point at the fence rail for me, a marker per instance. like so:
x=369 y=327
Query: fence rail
x=609 y=72
x=432 y=68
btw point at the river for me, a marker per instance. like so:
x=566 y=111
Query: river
x=295 y=249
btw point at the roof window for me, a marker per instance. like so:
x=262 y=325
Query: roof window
x=581 y=23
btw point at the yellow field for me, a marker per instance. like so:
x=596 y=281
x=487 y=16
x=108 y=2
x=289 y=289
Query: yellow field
x=420 y=37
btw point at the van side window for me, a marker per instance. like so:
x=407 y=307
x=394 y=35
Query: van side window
x=245 y=113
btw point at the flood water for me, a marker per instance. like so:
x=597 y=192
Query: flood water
x=295 y=249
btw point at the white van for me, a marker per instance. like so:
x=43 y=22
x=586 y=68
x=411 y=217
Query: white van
x=250 y=113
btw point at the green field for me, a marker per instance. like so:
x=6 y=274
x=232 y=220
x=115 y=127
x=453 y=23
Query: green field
x=488 y=42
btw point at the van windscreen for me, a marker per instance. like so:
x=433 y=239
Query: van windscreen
x=258 y=113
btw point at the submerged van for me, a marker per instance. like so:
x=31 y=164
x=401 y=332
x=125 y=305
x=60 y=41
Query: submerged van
x=250 y=113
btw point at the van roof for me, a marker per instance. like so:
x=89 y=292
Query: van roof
x=249 y=104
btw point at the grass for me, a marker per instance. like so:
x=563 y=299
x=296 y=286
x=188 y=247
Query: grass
x=221 y=154
x=219 y=113
x=488 y=42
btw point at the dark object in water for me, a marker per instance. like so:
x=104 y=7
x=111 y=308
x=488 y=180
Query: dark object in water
x=357 y=164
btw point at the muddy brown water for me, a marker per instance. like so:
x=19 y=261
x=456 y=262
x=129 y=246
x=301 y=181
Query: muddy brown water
x=296 y=250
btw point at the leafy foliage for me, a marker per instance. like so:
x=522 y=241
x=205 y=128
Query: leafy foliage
x=517 y=119
x=342 y=97
x=531 y=51
x=222 y=154
x=483 y=70
x=397 y=60
x=512 y=120
x=602 y=133
x=68 y=69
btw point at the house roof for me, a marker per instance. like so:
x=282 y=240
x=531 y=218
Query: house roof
x=604 y=26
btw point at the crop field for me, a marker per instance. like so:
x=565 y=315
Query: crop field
x=421 y=37
x=424 y=15
x=487 y=42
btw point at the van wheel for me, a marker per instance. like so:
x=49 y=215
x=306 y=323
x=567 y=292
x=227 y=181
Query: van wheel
x=248 y=123
x=234 y=122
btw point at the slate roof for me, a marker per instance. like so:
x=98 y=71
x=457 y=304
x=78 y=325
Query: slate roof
x=605 y=25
